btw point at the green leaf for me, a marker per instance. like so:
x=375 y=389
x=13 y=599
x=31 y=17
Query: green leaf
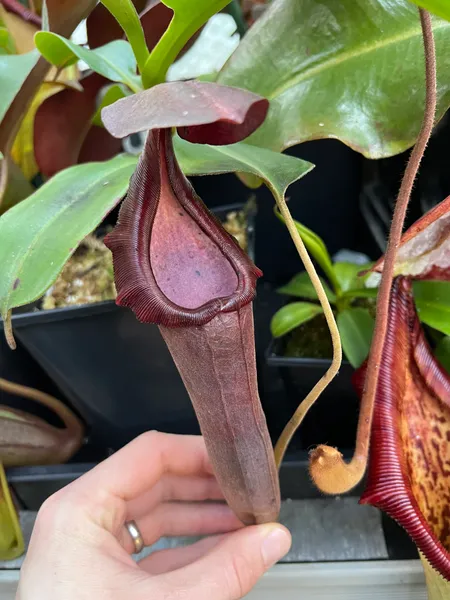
x=348 y=277
x=45 y=18
x=361 y=293
x=316 y=247
x=38 y=235
x=115 y=60
x=112 y=94
x=14 y=69
x=352 y=70
x=7 y=45
x=300 y=285
x=277 y=170
x=125 y=14
x=187 y=19
x=356 y=329
x=291 y=316
x=442 y=353
x=433 y=303
x=438 y=7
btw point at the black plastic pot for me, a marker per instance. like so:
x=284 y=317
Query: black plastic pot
x=115 y=371
x=31 y=486
x=333 y=418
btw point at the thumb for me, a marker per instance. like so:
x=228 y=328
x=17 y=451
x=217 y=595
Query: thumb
x=232 y=567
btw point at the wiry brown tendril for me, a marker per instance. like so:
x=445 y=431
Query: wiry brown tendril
x=328 y=470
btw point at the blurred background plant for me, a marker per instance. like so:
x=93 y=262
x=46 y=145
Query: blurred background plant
x=352 y=292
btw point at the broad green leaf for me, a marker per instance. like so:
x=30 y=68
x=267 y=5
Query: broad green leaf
x=438 y=7
x=433 y=303
x=54 y=49
x=14 y=69
x=291 y=316
x=187 y=19
x=38 y=235
x=316 y=247
x=115 y=60
x=300 y=285
x=348 y=275
x=277 y=170
x=356 y=329
x=442 y=353
x=125 y=14
x=352 y=70
x=112 y=94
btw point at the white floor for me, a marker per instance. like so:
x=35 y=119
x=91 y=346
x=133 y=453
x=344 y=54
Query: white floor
x=374 y=580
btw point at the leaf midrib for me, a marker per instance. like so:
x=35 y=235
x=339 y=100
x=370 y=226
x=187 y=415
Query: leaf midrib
x=5 y=306
x=349 y=55
x=277 y=192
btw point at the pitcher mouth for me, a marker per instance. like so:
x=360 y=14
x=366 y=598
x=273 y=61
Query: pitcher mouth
x=174 y=263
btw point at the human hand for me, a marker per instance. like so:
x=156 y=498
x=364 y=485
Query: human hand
x=80 y=548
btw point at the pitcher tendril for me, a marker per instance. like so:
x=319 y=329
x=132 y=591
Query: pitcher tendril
x=328 y=470
x=296 y=419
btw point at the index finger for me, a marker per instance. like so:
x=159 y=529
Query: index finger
x=136 y=468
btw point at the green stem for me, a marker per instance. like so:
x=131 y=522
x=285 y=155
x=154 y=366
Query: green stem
x=235 y=10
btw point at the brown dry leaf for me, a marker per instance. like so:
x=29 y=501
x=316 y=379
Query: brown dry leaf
x=424 y=250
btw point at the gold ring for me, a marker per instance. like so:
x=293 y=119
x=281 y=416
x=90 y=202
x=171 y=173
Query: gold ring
x=136 y=536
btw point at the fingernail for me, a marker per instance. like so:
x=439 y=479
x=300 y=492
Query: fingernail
x=276 y=544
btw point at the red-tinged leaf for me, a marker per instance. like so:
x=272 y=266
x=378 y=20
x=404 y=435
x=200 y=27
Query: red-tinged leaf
x=409 y=468
x=424 y=252
x=176 y=266
x=64 y=16
x=98 y=145
x=62 y=127
x=205 y=113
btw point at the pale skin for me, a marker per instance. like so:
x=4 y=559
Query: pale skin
x=80 y=549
